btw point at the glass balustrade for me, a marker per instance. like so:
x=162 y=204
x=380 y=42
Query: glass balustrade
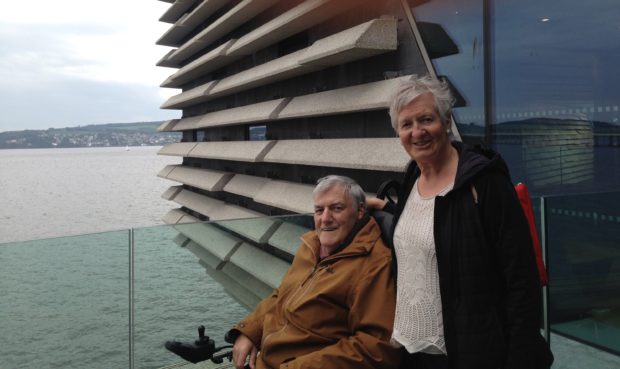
x=70 y=302
x=64 y=302
x=173 y=295
x=583 y=252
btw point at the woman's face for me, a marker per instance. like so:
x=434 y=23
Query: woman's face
x=421 y=131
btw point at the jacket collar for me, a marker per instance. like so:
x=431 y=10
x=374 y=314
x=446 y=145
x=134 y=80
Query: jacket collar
x=473 y=160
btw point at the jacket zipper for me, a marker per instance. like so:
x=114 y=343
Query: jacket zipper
x=323 y=264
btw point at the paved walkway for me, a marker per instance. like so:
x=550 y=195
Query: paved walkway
x=202 y=365
x=568 y=354
x=571 y=354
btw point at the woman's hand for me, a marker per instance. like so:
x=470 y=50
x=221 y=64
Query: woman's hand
x=243 y=348
x=375 y=203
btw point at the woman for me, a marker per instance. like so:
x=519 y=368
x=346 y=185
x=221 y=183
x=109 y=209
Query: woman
x=468 y=294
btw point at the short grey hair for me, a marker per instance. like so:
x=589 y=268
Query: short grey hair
x=351 y=188
x=407 y=91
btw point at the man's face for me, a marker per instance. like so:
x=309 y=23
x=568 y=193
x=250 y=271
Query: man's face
x=335 y=215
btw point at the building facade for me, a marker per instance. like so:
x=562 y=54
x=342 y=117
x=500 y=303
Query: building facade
x=276 y=94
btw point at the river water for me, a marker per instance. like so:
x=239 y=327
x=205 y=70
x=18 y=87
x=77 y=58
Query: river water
x=58 y=192
x=64 y=264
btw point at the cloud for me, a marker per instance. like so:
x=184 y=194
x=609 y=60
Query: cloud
x=81 y=62
x=79 y=102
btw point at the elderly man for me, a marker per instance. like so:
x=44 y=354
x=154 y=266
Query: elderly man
x=335 y=305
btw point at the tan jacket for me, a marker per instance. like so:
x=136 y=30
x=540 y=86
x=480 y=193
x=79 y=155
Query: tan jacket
x=333 y=313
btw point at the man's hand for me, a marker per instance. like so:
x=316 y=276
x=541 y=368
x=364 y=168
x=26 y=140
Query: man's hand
x=375 y=203
x=243 y=348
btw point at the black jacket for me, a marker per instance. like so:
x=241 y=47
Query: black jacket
x=490 y=292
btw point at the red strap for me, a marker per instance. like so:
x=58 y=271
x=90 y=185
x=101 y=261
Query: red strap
x=526 y=204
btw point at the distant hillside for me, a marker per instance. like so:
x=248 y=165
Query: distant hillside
x=96 y=135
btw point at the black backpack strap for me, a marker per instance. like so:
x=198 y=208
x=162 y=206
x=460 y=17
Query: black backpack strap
x=384 y=190
x=385 y=219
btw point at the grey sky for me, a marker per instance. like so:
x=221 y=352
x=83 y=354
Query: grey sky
x=72 y=62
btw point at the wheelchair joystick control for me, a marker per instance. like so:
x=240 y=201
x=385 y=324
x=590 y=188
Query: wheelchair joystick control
x=202 y=349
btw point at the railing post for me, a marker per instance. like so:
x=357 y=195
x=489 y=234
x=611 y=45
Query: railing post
x=543 y=245
x=488 y=71
x=131 y=296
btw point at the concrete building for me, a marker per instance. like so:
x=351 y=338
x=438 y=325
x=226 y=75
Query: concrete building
x=276 y=94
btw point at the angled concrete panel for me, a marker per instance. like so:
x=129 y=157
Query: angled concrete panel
x=203 y=11
x=261 y=265
x=301 y=17
x=251 y=151
x=246 y=185
x=384 y=154
x=165 y=62
x=181 y=240
x=206 y=179
x=204 y=256
x=227 y=211
x=369 y=96
x=197 y=202
x=235 y=17
x=359 y=42
x=254 y=113
x=287 y=195
x=177 y=149
x=187 y=23
x=272 y=71
x=241 y=285
x=210 y=61
x=216 y=210
x=178 y=216
x=174 y=34
x=189 y=97
x=176 y=10
x=165 y=171
x=368 y=39
x=188 y=219
x=186 y=122
x=171 y=192
x=256 y=229
x=211 y=238
x=287 y=237
x=167 y=126
x=173 y=216
x=240 y=293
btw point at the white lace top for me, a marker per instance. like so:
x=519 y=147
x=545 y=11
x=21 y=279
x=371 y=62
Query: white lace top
x=418 y=324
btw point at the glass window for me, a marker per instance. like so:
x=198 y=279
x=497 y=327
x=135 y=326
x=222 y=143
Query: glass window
x=452 y=34
x=556 y=96
x=257 y=133
x=557 y=92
